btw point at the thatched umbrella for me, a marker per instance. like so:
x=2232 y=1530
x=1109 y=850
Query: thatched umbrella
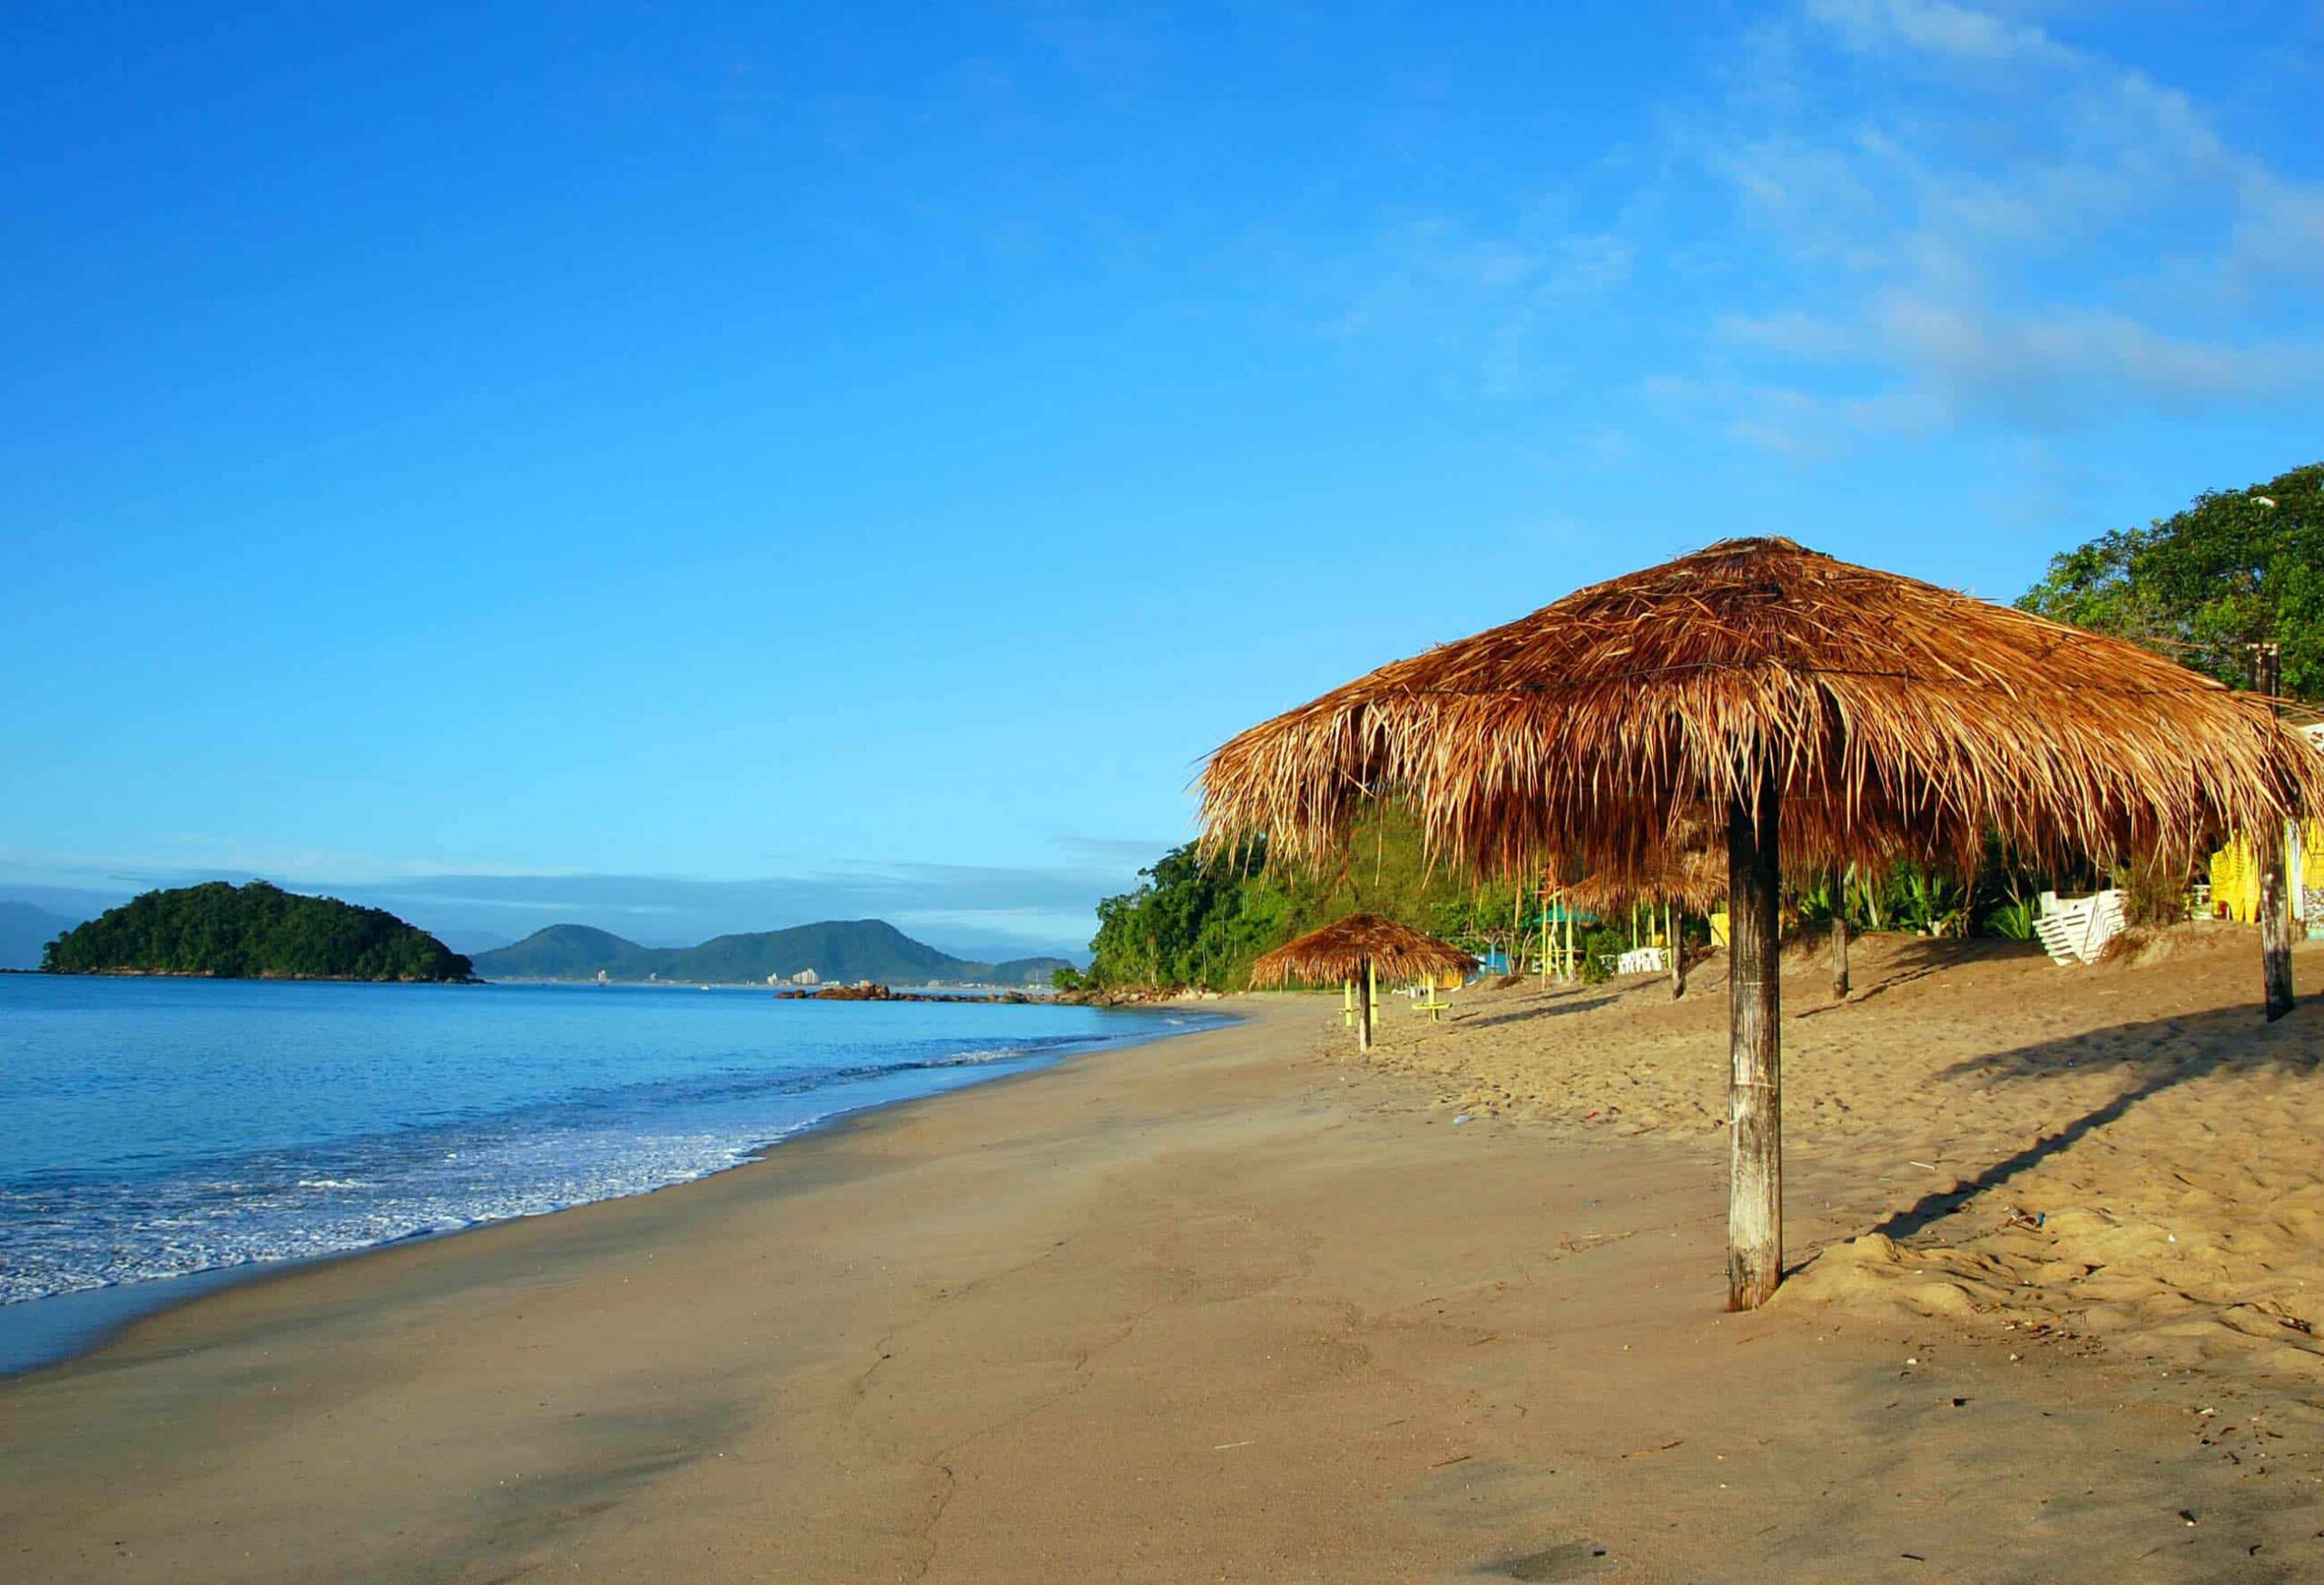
x=1690 y=876
x=1359 y=949
x=1819 y=710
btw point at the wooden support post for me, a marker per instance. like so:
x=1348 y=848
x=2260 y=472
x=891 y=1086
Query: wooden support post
x=2275 y=899
x=1363 y=1005
x=1755 y=1083
x=1572 y=968
x=2275 y=924
x=1347 y=1004
x=1674 y=924
x=1840 y=934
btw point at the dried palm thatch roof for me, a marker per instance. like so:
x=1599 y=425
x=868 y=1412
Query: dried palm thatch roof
x=1899 y=719
x=1688 y=868
x=1694 y=878
x=1340 y=951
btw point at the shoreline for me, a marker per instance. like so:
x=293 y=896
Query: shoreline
x=251 y=979
x=1220 y=1306
x=56 y=1329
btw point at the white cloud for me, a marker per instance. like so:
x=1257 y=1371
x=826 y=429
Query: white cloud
x=1792 y=332
x=1484 y=297
x=2280 y=225
x=2015 y=360
x=1955 y=33
x=1975 y=221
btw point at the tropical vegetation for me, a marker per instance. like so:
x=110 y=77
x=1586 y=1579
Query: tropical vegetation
x=1199 y=924
x=254 y=931
x=2235 y=568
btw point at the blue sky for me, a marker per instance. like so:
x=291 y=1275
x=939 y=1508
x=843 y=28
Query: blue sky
x=689 y=467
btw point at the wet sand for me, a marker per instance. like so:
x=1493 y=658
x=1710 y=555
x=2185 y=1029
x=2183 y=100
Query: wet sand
x=1223 y=1307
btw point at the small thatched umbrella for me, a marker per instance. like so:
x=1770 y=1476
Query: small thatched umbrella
x=1819 y=710
x=1359 y=949
x=1689 y=876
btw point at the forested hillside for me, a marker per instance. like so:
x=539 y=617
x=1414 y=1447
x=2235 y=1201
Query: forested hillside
x=1192 y=924
x=253 y=931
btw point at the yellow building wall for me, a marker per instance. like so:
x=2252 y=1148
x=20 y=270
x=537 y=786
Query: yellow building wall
x=2235 y=873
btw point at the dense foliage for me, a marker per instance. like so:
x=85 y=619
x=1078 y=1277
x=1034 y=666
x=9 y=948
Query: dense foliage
x=253 y=931
x=1188 y=925
x=1194 y=924
x=2238 y=568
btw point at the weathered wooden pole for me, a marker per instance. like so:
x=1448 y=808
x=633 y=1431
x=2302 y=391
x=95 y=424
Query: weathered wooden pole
x=1755 y=1084
x=1840 y=934
x=1673 y=922
x=2275 y=924
x=2275 y=898
x=1565 y=907
x=1364 y=1005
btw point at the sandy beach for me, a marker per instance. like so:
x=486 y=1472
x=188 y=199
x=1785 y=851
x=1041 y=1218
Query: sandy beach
x=2126 y=1153
x=1239 y=1306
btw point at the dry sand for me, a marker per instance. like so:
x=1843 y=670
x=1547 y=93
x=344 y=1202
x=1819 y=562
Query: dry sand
x=1226 y=1307
x=2128 y=1153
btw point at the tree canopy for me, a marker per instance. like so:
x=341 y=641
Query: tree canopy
x=2236 y=567
x=253 y=931
x=1192 y=923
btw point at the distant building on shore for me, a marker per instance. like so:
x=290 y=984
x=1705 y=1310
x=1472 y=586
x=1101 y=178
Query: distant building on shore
x=806 y=977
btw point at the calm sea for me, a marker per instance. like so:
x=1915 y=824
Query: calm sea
x=157 y=1129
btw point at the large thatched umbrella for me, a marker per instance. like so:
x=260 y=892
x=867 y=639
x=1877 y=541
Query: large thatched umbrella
x=1358 y=949
x=1820 y=712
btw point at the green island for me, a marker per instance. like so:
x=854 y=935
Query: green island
x=256 y=931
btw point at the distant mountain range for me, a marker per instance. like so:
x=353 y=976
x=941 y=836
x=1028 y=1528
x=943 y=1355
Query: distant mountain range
x=839 y=951
x=25 y=931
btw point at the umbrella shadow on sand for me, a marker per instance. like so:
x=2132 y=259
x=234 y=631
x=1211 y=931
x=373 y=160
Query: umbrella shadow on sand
x=1910 y=958
x=2153 y=1057
x=1528 y=1014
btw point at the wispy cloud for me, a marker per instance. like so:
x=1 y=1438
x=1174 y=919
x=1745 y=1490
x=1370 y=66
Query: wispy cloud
x=1975 y=221
x=1488 y=301
x=1933 y=27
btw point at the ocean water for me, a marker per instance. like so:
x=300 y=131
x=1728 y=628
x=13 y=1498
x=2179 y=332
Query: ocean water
x=160 y=1129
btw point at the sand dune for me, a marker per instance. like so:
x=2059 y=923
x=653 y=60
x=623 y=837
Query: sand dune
x=2126 y=1153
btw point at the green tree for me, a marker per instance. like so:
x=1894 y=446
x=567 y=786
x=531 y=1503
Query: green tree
x=256 y=930
x=2236 y=567
x=1195 y=924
